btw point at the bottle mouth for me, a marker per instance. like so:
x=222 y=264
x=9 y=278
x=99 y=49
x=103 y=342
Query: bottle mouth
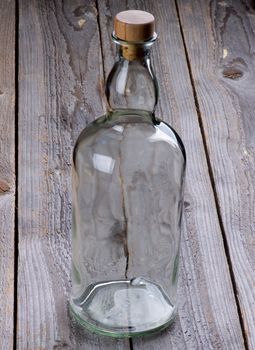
x=146 y=43
x=134 y=50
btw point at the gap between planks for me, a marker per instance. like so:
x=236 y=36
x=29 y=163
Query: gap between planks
x=100 y=40
x=200 y=121
x=16 y=210
x=130 y=342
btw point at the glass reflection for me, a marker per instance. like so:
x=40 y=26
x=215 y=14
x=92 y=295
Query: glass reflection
x=103 y=163
x=164 y=133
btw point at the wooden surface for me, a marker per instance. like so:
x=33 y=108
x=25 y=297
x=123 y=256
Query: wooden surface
x=224 y=83
x=7 y=172
x=59 y=80
x=204 y=265
x=204 y=61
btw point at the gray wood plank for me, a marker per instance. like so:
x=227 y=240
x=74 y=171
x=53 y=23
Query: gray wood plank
x=222 y=33
x=59 y=90
x=7 y=171
x=208 y=317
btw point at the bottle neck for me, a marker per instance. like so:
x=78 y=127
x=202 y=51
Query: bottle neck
x=131 y=83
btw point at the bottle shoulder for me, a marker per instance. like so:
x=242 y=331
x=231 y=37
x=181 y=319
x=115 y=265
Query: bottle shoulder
x=170 y=131
x=139 y=129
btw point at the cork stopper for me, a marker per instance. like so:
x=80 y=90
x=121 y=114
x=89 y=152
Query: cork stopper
x=134 y=25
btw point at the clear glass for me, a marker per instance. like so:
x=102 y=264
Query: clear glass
x=128 y=174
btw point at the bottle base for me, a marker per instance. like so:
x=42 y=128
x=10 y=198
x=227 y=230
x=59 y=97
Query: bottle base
x=124 y=308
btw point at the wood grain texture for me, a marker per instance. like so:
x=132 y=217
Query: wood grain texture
x=59 y=92
x=7 y=171
x=208 y=317
x=223 y=32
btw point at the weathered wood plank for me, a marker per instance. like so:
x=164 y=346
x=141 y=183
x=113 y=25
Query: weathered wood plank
x=7 y=170
x=59 y=90
x=220 y=39
x=208 y=317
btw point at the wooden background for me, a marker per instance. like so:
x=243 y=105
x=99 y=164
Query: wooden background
x=54 y=57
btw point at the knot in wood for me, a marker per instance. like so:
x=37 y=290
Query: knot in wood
x=4 y=187
x=232 y=73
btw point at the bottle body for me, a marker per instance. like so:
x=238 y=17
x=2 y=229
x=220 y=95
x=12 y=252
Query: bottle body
x=128 y=175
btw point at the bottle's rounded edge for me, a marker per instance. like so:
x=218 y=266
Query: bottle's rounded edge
x=113 y=334
x=179 y=140
x=133 y=50
x=124 y=42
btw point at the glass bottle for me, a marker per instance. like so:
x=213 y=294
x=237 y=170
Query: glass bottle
x=128 y=174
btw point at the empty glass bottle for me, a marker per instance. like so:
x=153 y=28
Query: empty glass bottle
x=128 y=173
